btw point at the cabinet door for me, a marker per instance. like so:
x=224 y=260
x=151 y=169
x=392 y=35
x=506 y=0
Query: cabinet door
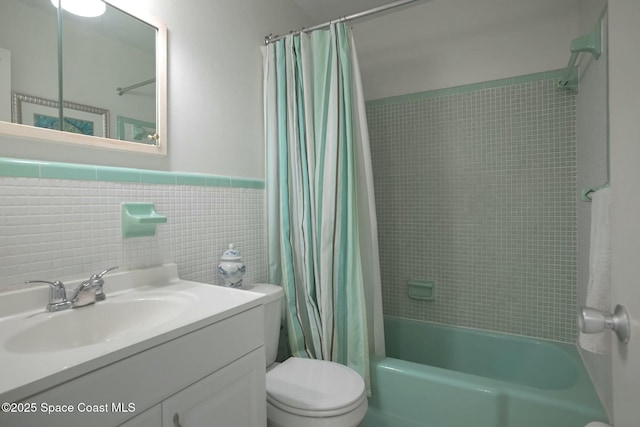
x=233 y=396
x=149 y=418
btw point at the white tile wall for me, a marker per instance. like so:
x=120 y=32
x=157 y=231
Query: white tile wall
x=61 y=229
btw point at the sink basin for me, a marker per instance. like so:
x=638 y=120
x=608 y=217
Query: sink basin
x=144 y=309
x=96 y=323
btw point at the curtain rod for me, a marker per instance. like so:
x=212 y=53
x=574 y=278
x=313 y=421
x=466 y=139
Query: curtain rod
x=271 y=38
x=122 y=90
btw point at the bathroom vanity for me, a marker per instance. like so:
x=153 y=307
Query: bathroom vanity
x=159 y=351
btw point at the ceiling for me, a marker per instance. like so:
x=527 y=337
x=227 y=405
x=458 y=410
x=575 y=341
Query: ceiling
x=325 y=10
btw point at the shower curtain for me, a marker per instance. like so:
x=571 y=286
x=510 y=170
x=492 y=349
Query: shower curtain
x=322 y=229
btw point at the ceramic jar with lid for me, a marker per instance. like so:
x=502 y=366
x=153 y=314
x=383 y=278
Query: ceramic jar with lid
x=231 y=268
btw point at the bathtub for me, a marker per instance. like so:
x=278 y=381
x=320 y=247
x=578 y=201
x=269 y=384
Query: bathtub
x=442 y=376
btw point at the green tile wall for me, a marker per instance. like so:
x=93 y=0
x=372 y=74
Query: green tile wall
x=475 y=190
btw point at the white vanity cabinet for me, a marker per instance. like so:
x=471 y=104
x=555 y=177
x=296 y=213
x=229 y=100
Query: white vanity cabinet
x=224 y=399
x=212 y=376
x=229 y=397
x=149 y=418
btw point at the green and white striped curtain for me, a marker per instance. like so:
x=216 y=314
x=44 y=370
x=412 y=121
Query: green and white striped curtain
x=322 y=233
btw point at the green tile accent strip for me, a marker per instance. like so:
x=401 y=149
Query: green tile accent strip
x=19 y=168
x=219 y=181
x=68 y=171
x=527 y=78
x=106 y=173
x=53 y=170
x=192 y=179
x=246 y=183
x=157 y=177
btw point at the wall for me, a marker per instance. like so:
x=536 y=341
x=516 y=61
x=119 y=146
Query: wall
x=475 y=190
x=624 y=138
x=592 y=172
x=61 y=221
x=446 y=43
x=215 y=95
x=5 y=84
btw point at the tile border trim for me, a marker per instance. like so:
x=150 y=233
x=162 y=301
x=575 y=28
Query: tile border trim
x=527 y=78
x=10 y=167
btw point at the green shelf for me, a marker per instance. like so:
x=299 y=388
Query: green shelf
x=140 y=220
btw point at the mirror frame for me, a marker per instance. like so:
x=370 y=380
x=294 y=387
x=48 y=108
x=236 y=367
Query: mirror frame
x=57 y=136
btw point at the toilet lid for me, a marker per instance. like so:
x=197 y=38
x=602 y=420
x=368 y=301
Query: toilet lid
x=303 y=386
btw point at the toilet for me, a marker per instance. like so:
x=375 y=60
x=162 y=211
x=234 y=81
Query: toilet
x=306 y=392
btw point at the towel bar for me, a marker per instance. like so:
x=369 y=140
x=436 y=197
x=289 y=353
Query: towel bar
x=587 y=193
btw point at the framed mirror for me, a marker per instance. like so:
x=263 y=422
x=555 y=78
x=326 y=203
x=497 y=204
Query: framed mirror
x=95 y=81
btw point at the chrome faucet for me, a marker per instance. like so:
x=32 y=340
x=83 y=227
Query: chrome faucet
x=57 y=295
x=87 y=292
x=99 y=283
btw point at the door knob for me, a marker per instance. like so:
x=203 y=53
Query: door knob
x=592 y=321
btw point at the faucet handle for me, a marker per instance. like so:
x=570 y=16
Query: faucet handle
x=57 y=295
x=58 y=291
x=55 y=284
x=100 y=296
x=99 y=275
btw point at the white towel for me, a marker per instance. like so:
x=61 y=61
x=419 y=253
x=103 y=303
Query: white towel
x=599 y=290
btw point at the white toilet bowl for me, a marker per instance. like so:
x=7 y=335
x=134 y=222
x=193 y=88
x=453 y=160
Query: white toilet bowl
x=314 y=393
x=306 y=392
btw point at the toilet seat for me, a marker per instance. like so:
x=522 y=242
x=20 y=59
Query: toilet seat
x=314 y=388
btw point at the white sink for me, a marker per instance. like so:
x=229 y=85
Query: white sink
x=96 y=323
x=143 y=309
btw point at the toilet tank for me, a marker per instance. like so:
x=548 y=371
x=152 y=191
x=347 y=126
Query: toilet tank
x=272 y=300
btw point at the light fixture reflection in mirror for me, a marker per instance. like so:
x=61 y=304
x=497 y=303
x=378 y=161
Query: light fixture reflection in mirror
x=85 y=8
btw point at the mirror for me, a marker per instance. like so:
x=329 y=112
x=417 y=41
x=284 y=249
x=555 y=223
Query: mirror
x=111 y=69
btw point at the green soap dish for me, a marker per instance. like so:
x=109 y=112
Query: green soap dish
x=140 y=219
x=422 y=290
